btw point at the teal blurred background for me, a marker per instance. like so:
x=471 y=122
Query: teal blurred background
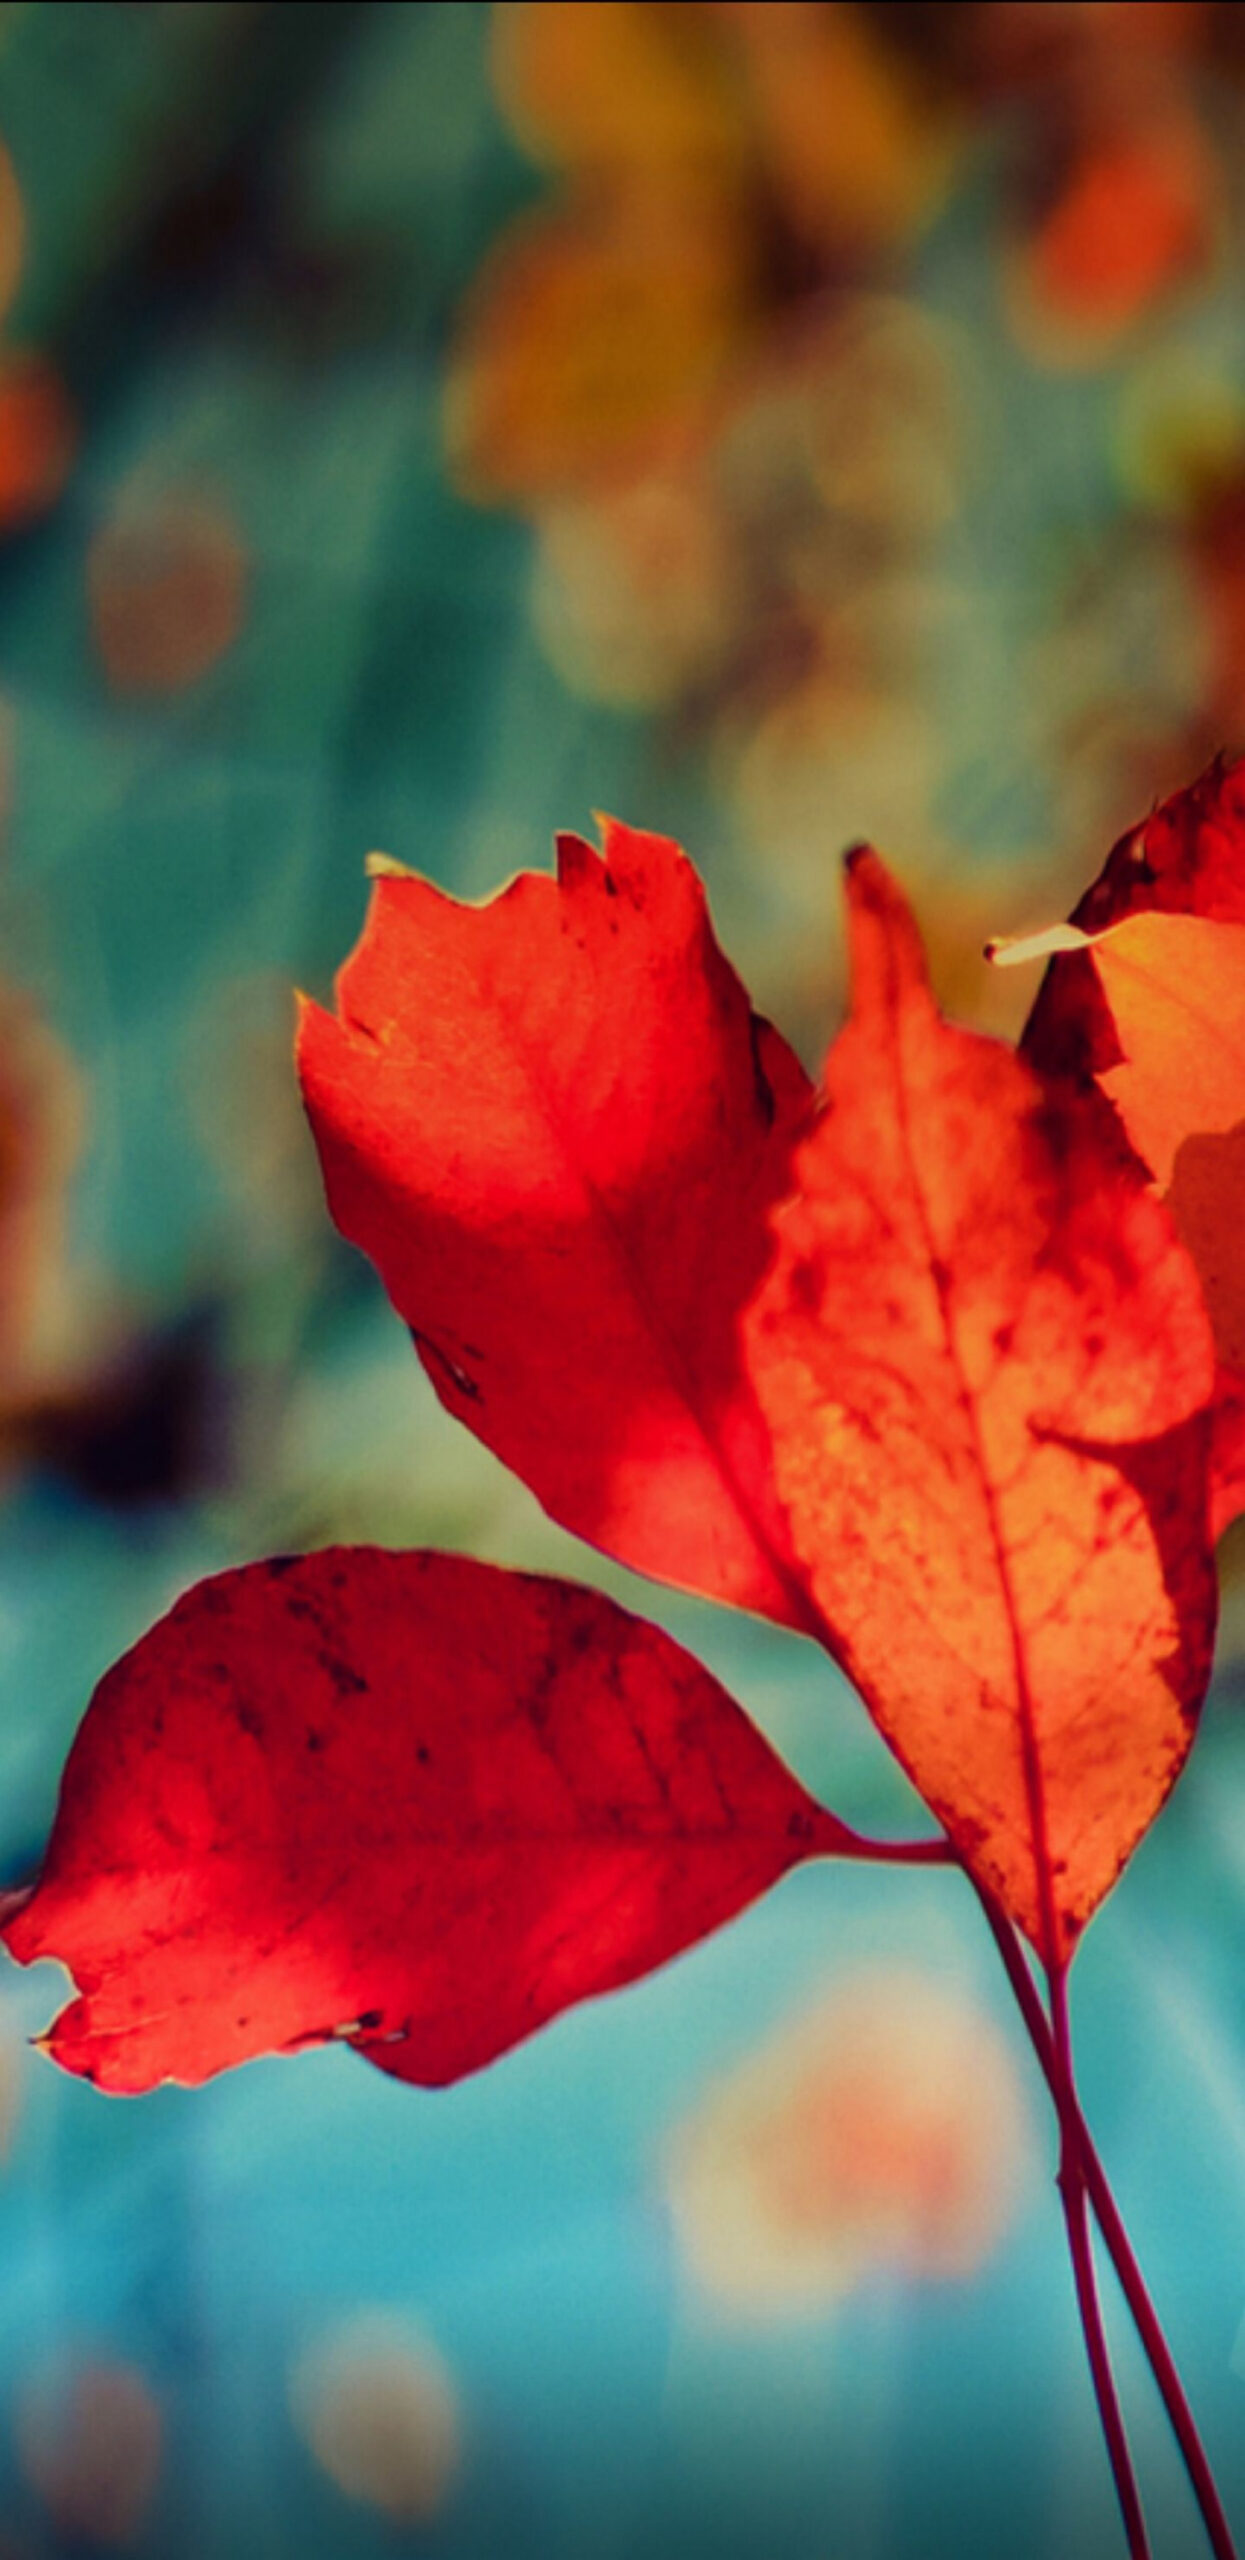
x=419 y=427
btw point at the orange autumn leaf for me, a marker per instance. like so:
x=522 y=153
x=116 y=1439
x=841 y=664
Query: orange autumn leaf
x=1175 y=990
x=986 y=1367
x=1174 y=987
x=411 y=1802
x=558 y=1130
x=1145 y=996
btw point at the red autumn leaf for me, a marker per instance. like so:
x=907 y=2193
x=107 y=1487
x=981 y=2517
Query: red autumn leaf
x=1152 y=1007
x=409 y=1800
x=558 y=1129
x=985 y=1363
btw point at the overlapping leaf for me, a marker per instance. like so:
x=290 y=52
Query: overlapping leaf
x=1150 y=1003
x=986 y=1367
x=557 y=1128
x=409 y=1800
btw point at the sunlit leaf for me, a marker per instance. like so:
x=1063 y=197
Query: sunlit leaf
x=986 y=1367
x=1147 y=999
x=557 y=1128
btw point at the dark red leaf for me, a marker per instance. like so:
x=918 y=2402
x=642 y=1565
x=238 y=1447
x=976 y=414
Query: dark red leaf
x=409 y=1800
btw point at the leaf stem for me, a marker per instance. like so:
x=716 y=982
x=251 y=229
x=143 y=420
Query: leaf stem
x=937 y=1852
x=1132 y=2283
x=1071 y=2183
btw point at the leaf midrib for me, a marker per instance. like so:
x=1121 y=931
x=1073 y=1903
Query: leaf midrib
x=1031 y=1764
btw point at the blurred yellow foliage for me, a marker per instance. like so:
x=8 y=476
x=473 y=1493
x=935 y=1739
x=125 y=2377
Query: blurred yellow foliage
x=41 y=1114
x=719 y=163
x=622 y=89
x=592 y=345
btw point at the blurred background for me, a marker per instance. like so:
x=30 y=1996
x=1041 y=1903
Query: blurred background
x=420 y=426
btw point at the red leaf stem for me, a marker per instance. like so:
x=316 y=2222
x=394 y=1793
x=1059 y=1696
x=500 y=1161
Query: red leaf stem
x=1111 y=2224
x=1071 y=2184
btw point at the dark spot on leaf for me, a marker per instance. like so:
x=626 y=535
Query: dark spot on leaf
x=346 y=1680
x=459 y=1378
x=764 y=1089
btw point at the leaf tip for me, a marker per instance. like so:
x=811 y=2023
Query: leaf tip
x=869 y=883
x=860 y=859
x=310 y=1023
x=386 y=866
x=882 y=928
x=617 y=841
